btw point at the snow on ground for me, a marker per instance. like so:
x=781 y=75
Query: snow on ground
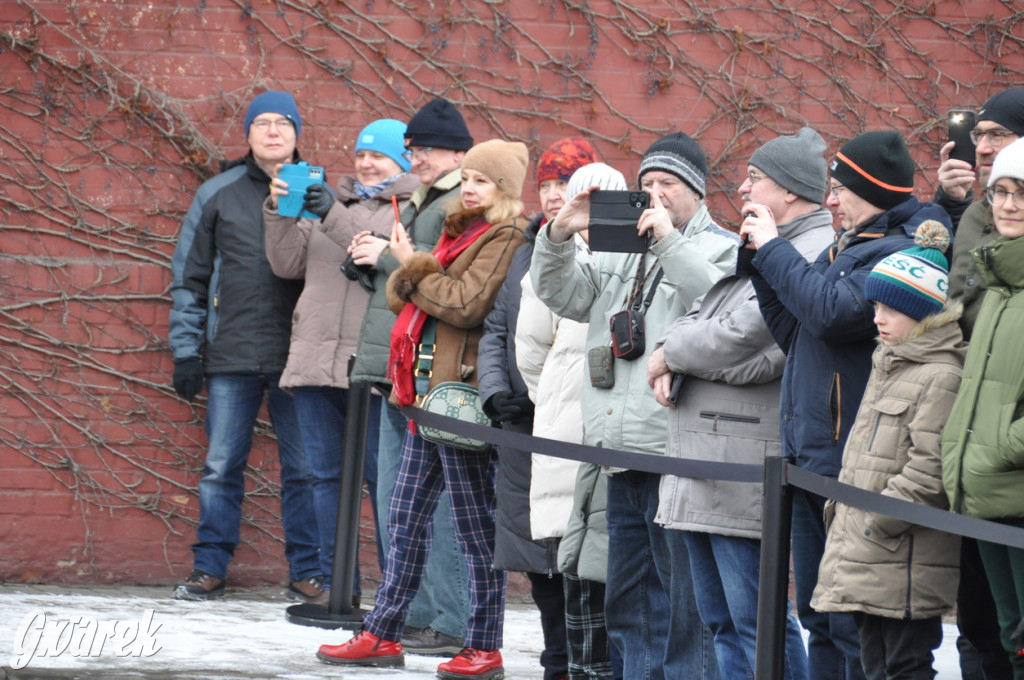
x=244 y=635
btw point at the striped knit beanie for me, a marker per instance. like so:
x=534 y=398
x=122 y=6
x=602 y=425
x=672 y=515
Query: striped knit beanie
x=679 y=155
x=914 y=281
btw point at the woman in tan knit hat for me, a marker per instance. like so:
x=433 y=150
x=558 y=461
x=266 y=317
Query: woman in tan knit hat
x=451 y=289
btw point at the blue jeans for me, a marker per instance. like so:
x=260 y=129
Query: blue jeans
x=649 y=604
x=321 y=414
x=725 y=580
x=833 y=645
x=442 y=600
x=234 y=402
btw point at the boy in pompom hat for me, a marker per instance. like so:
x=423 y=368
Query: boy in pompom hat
x=894 y=449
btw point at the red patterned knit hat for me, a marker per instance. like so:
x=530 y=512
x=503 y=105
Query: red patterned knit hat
x=563 y=158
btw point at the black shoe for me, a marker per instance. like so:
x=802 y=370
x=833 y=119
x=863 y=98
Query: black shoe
x=200 y=586
x=430 y=642
x=306 y=589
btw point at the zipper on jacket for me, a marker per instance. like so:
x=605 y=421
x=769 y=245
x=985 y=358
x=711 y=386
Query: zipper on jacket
x=910 y=568
x=729 y=418
x=836 y=404
x=874 y=433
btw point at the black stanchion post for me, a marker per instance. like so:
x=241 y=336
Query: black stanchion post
x=774 y=575
x=339 y=612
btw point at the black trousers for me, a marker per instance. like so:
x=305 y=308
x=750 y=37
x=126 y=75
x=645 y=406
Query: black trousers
x=897 y=649
x=549 y=595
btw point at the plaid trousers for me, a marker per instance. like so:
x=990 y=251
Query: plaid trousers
x=425 y=470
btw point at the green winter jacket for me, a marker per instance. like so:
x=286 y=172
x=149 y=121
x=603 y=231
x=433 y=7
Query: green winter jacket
x=983 y=441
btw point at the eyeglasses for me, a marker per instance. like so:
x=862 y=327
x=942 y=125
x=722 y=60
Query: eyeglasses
x=997 y=137
x=997 y=196
x=282 y=124
x=754 y=177
x=417 y=154
x=836 y=189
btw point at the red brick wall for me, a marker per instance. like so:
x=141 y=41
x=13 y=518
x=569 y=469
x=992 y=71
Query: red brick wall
x=115 y=112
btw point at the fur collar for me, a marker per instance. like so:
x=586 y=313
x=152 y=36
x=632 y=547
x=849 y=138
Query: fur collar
x=458 y=222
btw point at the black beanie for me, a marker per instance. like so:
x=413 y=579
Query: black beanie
x=438 y=124
x=679 y=155
x=877 y=167
x=1007 y=109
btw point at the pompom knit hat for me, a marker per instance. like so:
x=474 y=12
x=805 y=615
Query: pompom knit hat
x=595 y=174
x=273 y=101
x=1009 y=162
x=795 y=163
x=504 y=163
x=914 y=281
x=877 y=167
x=563 y=158
x=438 y=124
x=385 y=136
x=679 y=155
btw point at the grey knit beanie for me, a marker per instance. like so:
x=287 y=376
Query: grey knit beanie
x=795 y=163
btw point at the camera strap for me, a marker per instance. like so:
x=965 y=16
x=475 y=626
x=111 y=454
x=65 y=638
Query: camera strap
x=642 y=274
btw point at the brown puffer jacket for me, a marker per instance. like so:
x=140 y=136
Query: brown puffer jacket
x=461 y=296
x=878 y=564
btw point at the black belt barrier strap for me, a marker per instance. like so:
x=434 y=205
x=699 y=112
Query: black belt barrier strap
x=732 y=472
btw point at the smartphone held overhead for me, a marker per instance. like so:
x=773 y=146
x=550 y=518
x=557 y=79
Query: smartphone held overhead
x=960 y=123
x=613 y=219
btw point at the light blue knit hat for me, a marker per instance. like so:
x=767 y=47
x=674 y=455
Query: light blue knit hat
x=385 y=136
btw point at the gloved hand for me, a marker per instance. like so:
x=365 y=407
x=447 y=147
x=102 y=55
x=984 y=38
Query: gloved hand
x=188 y=377
x=506 y=407
x=318 y=200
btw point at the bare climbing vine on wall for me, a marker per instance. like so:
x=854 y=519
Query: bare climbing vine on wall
x=114 y=113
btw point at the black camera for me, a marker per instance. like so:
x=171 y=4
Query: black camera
x=363 y=273
x=613 y=219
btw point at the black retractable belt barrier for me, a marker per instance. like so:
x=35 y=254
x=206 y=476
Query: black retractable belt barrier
x=773 y=579
x=339 y=612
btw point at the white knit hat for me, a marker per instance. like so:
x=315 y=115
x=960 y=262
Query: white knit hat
x=594 y=174
x=1009 y=163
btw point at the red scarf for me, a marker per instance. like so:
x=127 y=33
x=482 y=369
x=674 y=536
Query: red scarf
x=407 y=331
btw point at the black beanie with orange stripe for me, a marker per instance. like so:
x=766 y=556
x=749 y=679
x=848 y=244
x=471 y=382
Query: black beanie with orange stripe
x=877 y=167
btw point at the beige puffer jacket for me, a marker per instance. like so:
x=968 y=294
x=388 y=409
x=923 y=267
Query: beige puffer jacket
x=329 y=315
x=878 y=564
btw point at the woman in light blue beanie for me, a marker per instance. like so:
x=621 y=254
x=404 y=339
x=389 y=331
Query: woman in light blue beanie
x=387 y=137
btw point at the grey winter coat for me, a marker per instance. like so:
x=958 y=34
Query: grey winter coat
x=727 y=410
x=878 y=564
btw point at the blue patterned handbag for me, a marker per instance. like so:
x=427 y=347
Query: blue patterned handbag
x=454 y=400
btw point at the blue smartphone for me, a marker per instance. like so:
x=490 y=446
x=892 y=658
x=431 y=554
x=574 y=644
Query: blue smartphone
x=299 y=176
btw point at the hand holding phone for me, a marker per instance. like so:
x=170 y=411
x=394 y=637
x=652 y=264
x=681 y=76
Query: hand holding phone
x=613 y=221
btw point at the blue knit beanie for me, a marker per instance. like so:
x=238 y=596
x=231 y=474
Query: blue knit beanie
x=914 y=281
x=273 y=101
x=385 y=136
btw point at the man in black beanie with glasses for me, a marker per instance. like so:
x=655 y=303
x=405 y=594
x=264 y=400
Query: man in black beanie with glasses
x=820 y=317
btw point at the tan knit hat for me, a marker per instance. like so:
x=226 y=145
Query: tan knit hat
x=504 y=163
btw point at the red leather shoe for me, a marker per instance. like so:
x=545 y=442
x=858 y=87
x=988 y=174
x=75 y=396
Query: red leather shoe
x=476 y=664
x=365 y=649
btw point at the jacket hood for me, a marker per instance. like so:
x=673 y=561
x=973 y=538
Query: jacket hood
x=936 y=339
x=1001 y=263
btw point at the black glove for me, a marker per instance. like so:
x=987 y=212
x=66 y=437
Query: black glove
x=318 y=200
x=506 y=407
x=188 y=377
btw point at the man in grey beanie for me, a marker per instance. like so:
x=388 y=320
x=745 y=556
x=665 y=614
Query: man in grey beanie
x=728 y=362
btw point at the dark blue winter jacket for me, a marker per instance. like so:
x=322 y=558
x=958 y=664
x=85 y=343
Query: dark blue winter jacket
x=821 y=319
